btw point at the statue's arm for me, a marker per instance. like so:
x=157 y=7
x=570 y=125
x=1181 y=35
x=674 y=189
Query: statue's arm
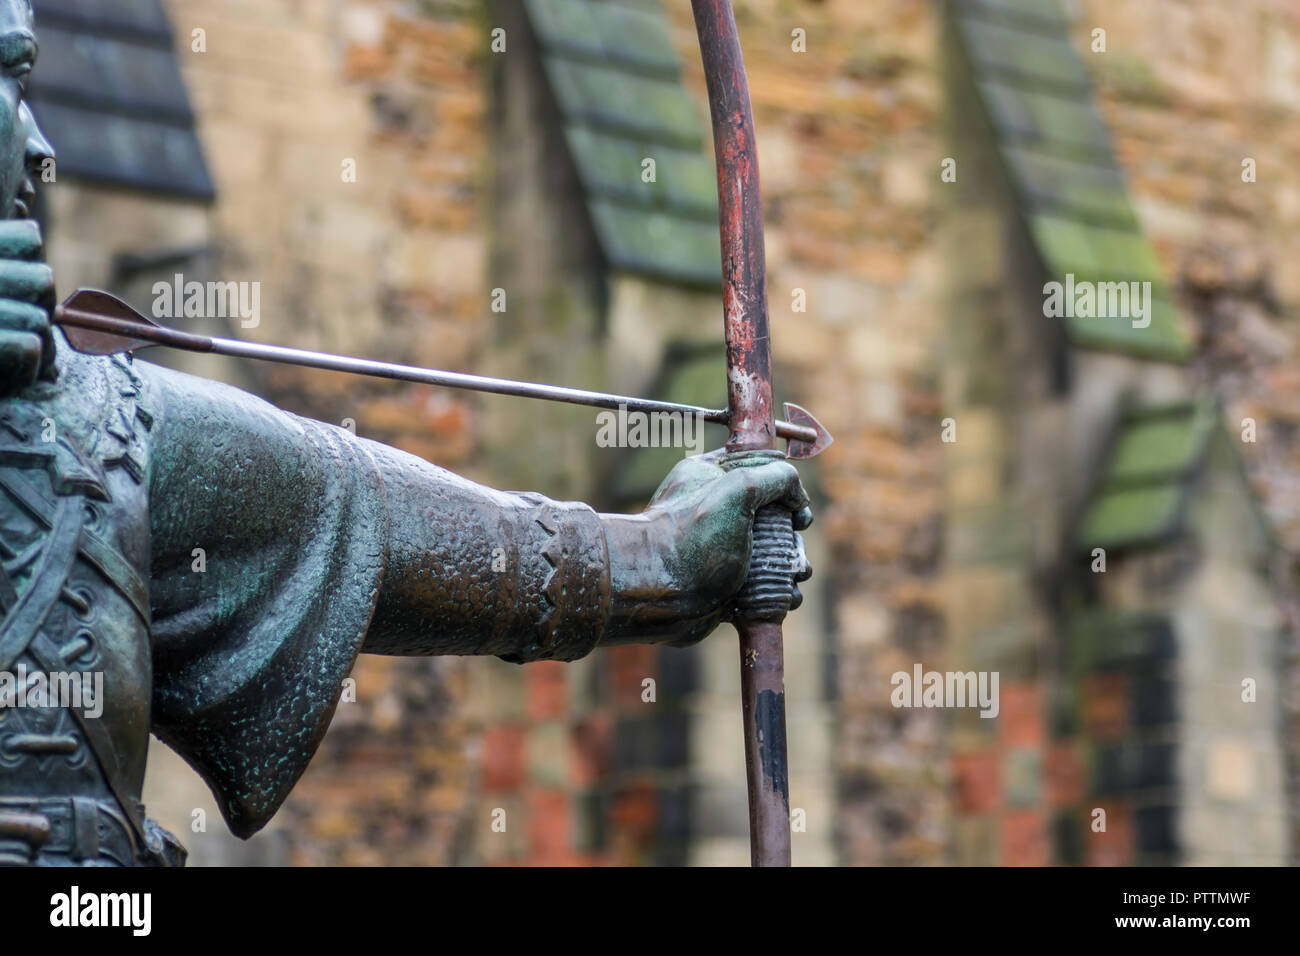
x=477 y=571
x=466 y=569
x=269 y=504
x=472 y=570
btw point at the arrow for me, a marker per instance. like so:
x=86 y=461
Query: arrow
x=101 y=324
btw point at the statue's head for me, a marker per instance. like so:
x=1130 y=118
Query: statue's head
x=23 y=149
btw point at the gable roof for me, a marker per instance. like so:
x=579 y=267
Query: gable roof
x=616 y=78
x=1057 y=154
x=1144 y=491
x=108 y=94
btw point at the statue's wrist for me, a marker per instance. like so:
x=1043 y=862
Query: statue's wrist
x=648 y=602
x=565 y=562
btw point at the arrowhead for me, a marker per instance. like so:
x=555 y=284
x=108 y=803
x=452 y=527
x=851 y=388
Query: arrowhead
x=799 y=450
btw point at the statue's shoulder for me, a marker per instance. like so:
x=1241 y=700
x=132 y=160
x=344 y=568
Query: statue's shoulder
x=94 y=419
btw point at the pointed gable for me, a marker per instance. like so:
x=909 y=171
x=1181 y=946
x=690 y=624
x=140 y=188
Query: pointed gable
x=1055 y=149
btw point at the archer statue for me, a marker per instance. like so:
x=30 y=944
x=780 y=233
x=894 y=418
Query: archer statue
x=319 y=545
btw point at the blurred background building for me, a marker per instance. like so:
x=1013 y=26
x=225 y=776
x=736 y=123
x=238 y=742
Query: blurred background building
x=1104 y=515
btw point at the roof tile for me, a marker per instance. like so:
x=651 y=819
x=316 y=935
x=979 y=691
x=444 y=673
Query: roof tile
x=1058 y=156
x=1027 y=56
x=1142 y=495
x=110 y=97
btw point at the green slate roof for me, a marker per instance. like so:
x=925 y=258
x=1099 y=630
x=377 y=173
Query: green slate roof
x=110 y=96
x=1142 y=495
x=615 y=75
x=1057 y=153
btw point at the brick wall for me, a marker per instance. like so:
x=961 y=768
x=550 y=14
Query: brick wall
x=1161 y=89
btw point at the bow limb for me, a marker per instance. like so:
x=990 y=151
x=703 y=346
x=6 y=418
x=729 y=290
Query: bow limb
x=740 y=213
x=766 y=596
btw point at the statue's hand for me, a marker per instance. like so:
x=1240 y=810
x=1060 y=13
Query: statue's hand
x=26 y=298
x=676 y=568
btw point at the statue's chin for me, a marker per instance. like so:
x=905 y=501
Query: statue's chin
x=20 y=210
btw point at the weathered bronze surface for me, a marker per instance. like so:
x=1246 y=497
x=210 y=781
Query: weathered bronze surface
x=115 y=476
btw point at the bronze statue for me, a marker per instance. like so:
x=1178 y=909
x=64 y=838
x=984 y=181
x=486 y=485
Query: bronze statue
x=318 y=545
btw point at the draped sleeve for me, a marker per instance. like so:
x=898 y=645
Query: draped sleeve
x=281 y=547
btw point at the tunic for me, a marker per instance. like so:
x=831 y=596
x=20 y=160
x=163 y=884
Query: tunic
x=222 y=562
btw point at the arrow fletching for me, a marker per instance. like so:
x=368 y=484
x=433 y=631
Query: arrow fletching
x=77 y=314
x=97 y=323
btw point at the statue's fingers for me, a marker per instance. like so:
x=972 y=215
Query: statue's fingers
x=775 y=482
x=18 y=316
x=27 y=281
x=801 y=569
x=796 y=497
x=802 y=519
x=26 y=342
x=20 y=359
x=20 y=239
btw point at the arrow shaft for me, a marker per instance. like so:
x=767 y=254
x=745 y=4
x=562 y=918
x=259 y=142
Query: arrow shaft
x=237 y=348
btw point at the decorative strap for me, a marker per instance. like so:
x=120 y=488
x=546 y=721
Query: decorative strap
x=101 y=745
x=101 y=555
x=49 y=578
